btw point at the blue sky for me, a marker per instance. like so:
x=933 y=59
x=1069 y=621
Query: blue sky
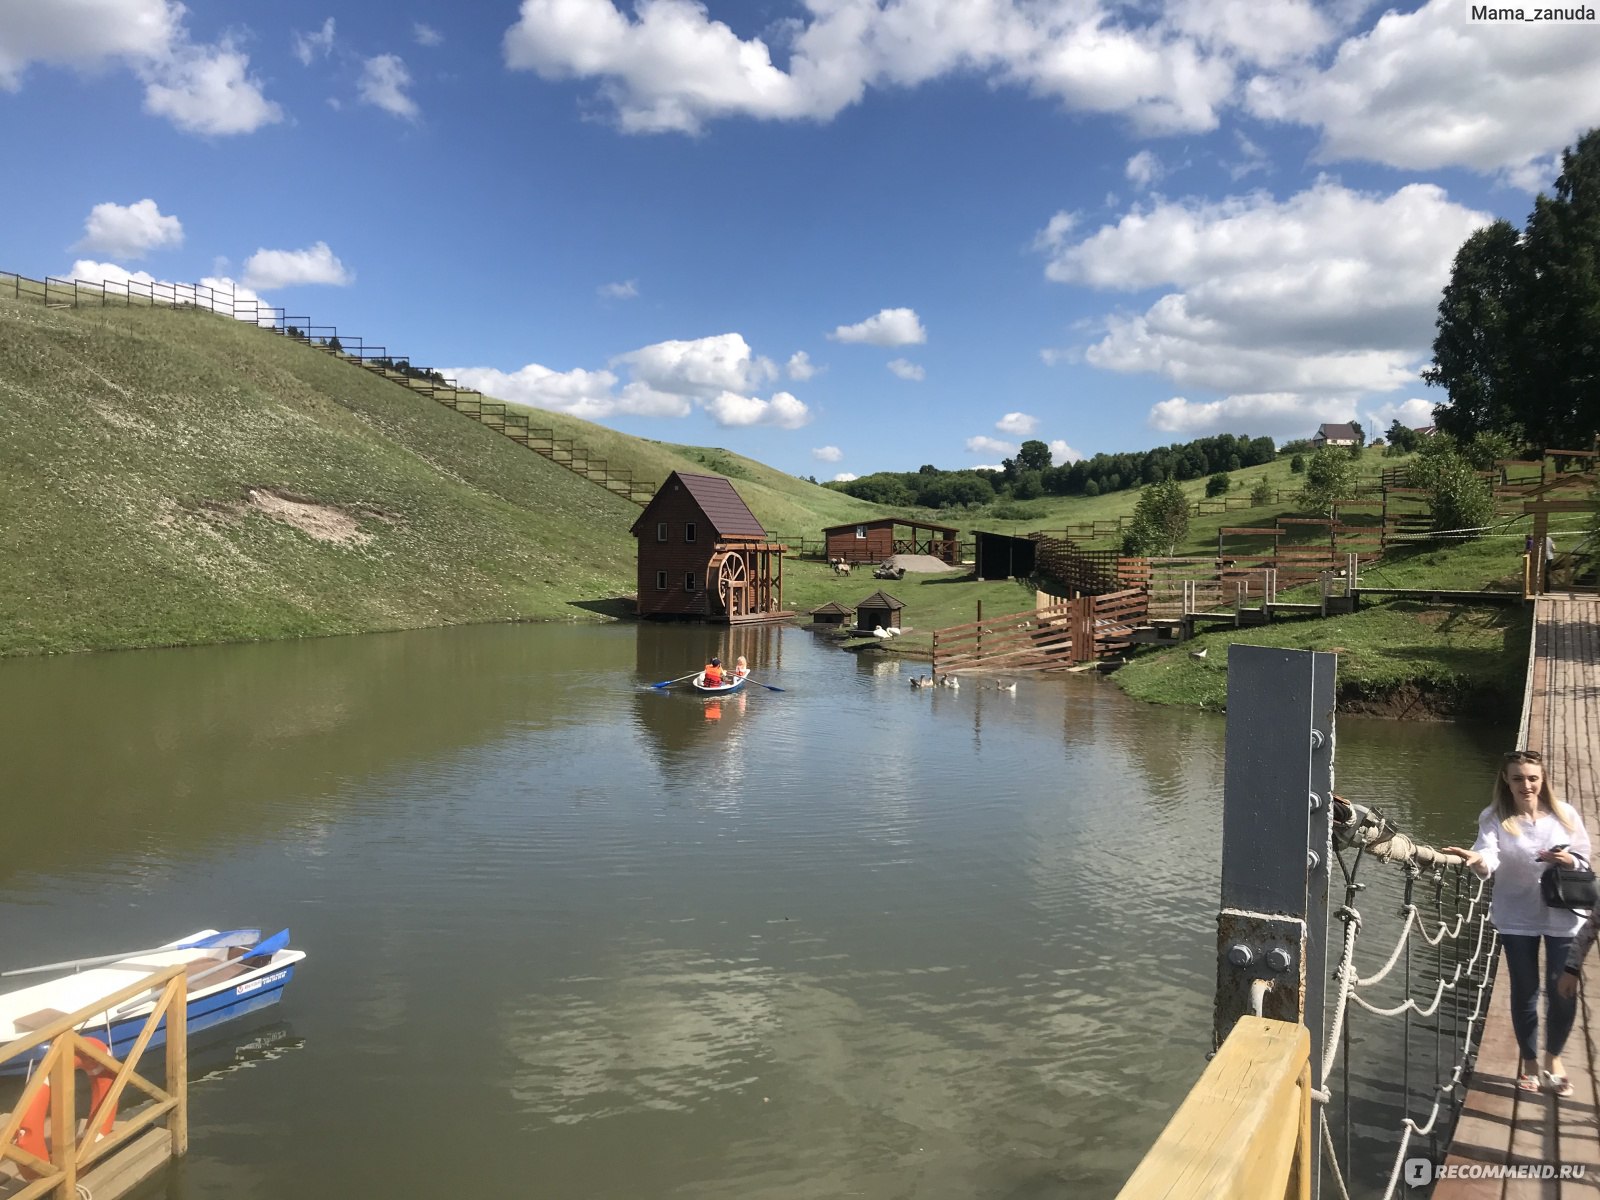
x=836 y=235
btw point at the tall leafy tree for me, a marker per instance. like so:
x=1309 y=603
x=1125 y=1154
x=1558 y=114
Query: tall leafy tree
x=1330 y=476
x=1518 y=341
x=1160 y=520
x=1473 y=349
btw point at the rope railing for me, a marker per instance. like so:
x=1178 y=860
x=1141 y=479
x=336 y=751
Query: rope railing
x=1458 y=919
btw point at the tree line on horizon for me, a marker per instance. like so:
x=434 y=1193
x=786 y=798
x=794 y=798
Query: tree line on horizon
x=1030 y=474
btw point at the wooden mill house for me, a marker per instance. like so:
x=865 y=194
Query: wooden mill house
x=704 y=556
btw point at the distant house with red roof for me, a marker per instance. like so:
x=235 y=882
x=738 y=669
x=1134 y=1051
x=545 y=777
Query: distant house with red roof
x=704 y=556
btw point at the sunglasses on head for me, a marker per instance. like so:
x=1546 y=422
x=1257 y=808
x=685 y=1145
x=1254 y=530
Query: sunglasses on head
x=1532 y=756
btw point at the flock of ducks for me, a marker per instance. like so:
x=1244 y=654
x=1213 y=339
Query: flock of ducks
x=954 y=683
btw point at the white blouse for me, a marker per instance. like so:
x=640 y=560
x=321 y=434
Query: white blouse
x=1518 y=906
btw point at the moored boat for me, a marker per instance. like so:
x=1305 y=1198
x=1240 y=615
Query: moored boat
x=230 y=975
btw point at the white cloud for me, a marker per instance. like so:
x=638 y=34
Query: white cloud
x=668 y=65
x=84 y=33
x=783 y=410
x=827 y=454
x=844 y=477
x=907 y=370
x=383 y=84
x=800 y=367
x=425 y=35
x=587 y=394
x=890 y=327
x=1280 y=414
x=286 y=268
x=207 y=90
x=220 y=294
x=988 y=445
x=310 y=46
x=1266 y=35
x=668 y=379
x=702 y=368
x=1061 y=453
x=1017 y=424
x=1428 y=89
x=1143 y=169
x=626 y=290
x=1330 y=292
x=1413 y=414
x=129 y=231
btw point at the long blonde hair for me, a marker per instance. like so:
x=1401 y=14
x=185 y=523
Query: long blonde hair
x=1505 y=808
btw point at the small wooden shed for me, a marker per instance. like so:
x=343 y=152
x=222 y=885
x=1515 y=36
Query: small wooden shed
x=880 y=608
x=831 y=613
x=1002 y=556
x=874 y=541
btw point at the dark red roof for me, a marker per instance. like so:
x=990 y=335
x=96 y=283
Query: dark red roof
x=880 y=522
x=727 y=514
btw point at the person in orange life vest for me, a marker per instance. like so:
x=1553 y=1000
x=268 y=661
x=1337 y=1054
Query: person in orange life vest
x=740 y=667
x=712 y=675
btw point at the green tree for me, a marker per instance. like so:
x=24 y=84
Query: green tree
x=1297 y=464
x=1262 y=492
x=1330 y=476
x=1517 y=347
x=1160 y=520
x=1473 y=350
x=1402 y=438
x=1219 y=484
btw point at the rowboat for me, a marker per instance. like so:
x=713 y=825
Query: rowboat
x=230 y=975
x=699 y=682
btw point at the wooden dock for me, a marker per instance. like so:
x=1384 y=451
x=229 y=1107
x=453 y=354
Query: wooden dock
x=1498 y=1124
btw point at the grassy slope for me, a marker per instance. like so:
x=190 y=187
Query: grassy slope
x=130 y=436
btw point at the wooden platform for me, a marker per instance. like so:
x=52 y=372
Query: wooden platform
x=1498 y=1124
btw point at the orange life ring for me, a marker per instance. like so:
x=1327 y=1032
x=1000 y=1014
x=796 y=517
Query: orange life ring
x=36 y=1120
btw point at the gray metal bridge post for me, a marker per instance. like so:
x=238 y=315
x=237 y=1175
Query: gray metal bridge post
x=1277 y=831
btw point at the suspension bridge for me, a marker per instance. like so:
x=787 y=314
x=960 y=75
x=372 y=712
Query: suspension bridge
x=1280 y=1109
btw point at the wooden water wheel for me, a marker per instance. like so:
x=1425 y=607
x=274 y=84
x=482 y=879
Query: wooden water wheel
x=732 y=581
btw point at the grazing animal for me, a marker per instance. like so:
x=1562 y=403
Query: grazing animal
x=840 y=567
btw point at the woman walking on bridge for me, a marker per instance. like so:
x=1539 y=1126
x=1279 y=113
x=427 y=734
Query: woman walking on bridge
x=1521 y=833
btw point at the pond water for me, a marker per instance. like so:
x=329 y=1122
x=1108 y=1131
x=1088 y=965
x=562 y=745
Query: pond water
x=571 y=936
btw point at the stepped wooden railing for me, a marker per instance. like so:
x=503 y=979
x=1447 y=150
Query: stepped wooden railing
x=1053 y=638
x=62 y=1170
x=74 y=293
x=1244 y=1130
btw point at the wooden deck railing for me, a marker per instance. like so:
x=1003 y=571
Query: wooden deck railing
x=70 y=1153
x=1244 y=1131
x=1051 y=638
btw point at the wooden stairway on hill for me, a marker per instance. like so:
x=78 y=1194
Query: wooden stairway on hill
x=514 y=425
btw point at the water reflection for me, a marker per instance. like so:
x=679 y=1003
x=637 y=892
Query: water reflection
x=604 y=940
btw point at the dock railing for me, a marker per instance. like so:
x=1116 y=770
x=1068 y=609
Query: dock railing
x=1244 y=1131
x=58 y=1172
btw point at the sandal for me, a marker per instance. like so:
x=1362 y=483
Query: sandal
x=1556 y=1085
x=1528 y=1081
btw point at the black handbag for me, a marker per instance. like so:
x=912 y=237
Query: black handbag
x=1571 y=887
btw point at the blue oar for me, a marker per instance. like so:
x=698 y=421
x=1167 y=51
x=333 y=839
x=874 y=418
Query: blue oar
x=679 y=679
x=269 y=946
x=758 y=683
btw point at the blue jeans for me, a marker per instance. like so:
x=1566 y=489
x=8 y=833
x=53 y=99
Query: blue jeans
x=1522 y=965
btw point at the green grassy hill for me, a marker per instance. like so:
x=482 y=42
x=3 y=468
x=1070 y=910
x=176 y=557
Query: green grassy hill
x=173 y=477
